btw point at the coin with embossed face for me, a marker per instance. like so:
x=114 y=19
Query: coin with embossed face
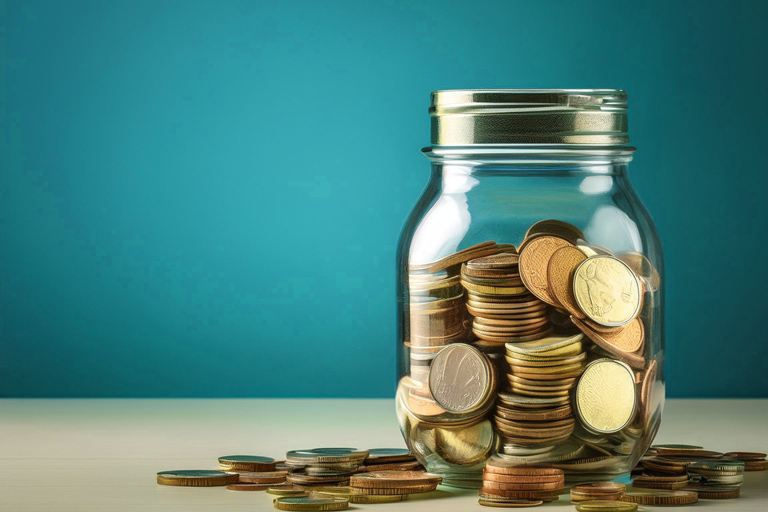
x=606 y=290
x=605 y=396
x=460 y=378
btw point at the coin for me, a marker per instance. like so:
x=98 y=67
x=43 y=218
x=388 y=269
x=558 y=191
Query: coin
x=554 y=227
x=196 y=478
x=310 y=504
x=560 y=270
x=644 y=269
x=248 y=487
x=746 y=456
x=286 y=490
x=606 y=290
x=605 y=506
x=665 y=451
x=500 y=466
x=534 y=260
x=246 y=462
x=656 y=498
x=605 y=396
x=714 y=492
x=390 y=491
x=630 y=336
x=264 y=477
x=459 y=378
x=508 y=503
x=387 y=479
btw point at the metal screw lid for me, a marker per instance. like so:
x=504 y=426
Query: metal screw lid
x=529 y=116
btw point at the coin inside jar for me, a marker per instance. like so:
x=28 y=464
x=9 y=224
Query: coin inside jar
x=605 y=396
x=459 y=378
x=606 y=290
x=534 y=260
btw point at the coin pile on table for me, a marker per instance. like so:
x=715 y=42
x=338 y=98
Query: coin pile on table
x=393 y=483
x=507 y=484
x=323 y=466
x=503 y=308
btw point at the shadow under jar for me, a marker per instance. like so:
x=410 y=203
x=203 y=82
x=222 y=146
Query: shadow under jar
x=530 y=290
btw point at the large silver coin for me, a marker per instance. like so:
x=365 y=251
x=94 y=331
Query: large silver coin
x=460 y=378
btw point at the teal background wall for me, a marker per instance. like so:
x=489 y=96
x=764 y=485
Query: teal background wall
x=203 y=198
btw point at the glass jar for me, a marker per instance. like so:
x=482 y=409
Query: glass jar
x=530 y=290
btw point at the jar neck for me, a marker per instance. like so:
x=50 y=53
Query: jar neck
x=534 y=158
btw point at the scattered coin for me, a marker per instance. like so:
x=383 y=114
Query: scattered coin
x=196 y=478
x=246 y=463
x=605 y=506
x=310 y=504
x=656 y=498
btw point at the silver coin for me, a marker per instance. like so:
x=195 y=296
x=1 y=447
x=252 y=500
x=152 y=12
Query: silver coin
x=460 y=378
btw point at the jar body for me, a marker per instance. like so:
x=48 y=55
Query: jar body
x=479 y=195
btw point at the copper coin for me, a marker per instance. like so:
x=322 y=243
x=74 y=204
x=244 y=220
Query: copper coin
x=534 y=260
x=756 y=465
x=542 y=495
x=565 y=422
x=522 y=486
x=487 y=502
x=715 y=492
x=531 y=479
x=249 y=487
x=391 y=466
x=554 y=227
x=544 y=415
x=564 y=384
x=542 y=333
x=664 y=478
x=503 y=467
x=252 y=478
x=661 y=497
x=630 y=358
x=745 y=456
x=386 y=479
x=560 y=269
x=648 y=484
x=686 y=452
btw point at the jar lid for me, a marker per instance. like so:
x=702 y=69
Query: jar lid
x=529 y=116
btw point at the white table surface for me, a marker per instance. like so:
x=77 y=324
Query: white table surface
x=83 y=455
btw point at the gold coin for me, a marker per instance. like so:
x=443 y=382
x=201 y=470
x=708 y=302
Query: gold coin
x=560 y=270
x=515 y=361
x=605 y=506
x=459 y=378
x=287 y=490
x=605 y=396
x=607 y=290
x=553 y=346
x=534 y=260
x=310 y=504
x=196 y=478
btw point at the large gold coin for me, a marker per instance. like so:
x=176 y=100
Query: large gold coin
x=605 y=396
x=606 y=290
x=534 y=260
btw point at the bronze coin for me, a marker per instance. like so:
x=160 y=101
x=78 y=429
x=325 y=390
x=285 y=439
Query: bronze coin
x=714 y=492
x=248 y=478
x=523 y=486
x=563 y=384
x=686 y=452
x=529 y=441
x=537 y=335
x=249 y=487
x=544 y=415
x=554 y=227
x=756 y=465
x=516 y=321
x=657 y=498
x=534 y=260
x=525 y=327
x=630 y=358
x=745 y=456
x=532 y=479
x=663 y=478
x=560 y=269
x=390 y=466
x=495 y=465
x=501 y=493
x=389 y=491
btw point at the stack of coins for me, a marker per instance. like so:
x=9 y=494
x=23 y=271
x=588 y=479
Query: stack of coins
x=716 y=473
x=505 y=484
x=393 y=483
x=526 y=421
x=383 y=459
x=503 y=308
x=597 y=491
x=323 y=466
x=546 y=368
x=753 y=461
x=660 y=498
x=438 y=311
x=246 y=463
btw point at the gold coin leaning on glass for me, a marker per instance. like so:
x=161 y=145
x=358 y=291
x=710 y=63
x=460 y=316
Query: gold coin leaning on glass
x=607 y=290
